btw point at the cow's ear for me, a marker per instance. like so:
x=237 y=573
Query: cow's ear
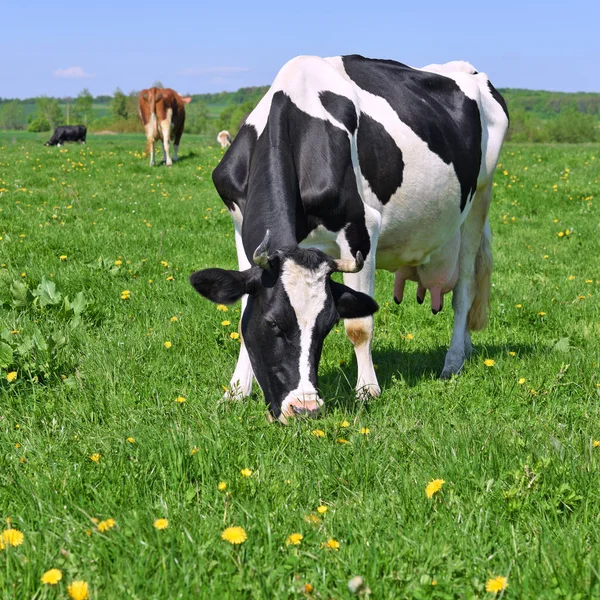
x=225 y=287
x=351 y=304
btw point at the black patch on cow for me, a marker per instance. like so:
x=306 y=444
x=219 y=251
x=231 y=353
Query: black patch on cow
x=498 y=98
x=231 y=175
x=340 y=108
x=433 y=106
x=301 y=176
x=379 y=157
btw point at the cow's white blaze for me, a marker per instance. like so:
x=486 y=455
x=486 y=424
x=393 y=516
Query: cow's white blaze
x=306 y=292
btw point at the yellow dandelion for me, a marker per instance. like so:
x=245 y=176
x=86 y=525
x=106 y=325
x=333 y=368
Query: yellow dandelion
x=522 y=381
x=560 y=233
x=489 y=362
x=542 y=314
x=168 y=345
x=332 y=544
x=344 y=424
x=318 y=433
x=63 y=257
x=512 y=353
x=294 y=539
x=161 y=524
x=194 y=450
x=170 y=278
x=180 y=399
x=131 y=440
x=433 y=487
x=106 y=525
x=174 y=319
x=164 y=263
x=95 y=457
x=234 y=335
x=322 y=509
x=118 y=263
x=10 y=377
x=222 y=486
x=225 y=323
x=409 y=336
x=12 y=537
x=342 y=441
x=222 y=308
x=571 y=277
x=365 y=431
x=519 y=306
x=52 y=577
x=246 y=472
x=234 y=535
x=596 y=443
x=496 y=584
x=78 y=590
x=308 y=588
x=312 y=519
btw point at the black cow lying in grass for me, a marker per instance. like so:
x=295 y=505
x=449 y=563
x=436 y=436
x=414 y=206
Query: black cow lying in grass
x=67 y=133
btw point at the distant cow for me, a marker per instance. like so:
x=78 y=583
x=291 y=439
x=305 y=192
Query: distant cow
x=160 y=110
x=224 y=138
x=67 y=133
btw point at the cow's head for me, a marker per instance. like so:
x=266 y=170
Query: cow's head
x=292 y=305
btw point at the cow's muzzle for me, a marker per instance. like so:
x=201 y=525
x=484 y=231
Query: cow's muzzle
x=306 y=406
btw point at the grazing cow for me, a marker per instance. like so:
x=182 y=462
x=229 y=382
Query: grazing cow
x=224 y=138
x=381 y=164
x=160 y=109
x=67 y=133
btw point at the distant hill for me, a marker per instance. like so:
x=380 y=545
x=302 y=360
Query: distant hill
x=535 y=114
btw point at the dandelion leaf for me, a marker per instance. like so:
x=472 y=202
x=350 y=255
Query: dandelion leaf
x=6 y=355
x=562 y=345
x=47 y=293
x=21 y=294
x=79 y=304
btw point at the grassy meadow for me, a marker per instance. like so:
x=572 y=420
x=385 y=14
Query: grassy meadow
x=111 y=410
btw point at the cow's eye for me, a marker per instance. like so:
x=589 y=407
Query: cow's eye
x=273 y=325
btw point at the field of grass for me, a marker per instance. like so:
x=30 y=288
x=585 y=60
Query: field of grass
x=111 y=375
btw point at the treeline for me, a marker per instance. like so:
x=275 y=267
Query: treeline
x=536 y=116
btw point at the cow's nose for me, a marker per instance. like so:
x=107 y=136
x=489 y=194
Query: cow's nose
x=308 y=405
x=302 y=411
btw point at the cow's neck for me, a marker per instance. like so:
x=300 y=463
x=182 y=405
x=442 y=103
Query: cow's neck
x=273 y=201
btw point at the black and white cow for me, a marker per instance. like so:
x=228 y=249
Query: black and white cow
x=67 y=133
x=380 y=164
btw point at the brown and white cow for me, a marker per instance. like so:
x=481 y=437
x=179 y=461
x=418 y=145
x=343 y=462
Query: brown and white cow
x=161 y=109
x=224 y=138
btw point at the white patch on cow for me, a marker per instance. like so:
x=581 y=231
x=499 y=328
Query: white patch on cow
x=302 y=78
x=306 y=292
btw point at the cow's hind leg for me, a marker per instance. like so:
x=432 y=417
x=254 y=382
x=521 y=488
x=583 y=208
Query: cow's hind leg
x=166 y=134
x=470 y=297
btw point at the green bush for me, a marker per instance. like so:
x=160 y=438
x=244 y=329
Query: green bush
x=38 y=124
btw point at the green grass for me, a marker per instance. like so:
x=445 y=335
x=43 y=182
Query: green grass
x=522 y=491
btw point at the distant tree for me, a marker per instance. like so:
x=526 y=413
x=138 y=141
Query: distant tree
x=573 y=127
x=11 y=115
x=82 y=107
x=132 y=105
x=196 y=118
x=47 y=109
x=158 y=84
x=232 y=117
x=118 y=105
x=38 y=124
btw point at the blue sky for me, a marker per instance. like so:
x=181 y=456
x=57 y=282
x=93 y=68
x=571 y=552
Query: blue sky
x=195 y=48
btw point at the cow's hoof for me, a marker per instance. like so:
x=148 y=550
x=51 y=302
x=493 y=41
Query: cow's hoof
x=450 y=370
x=396 y=300
x=370 y=390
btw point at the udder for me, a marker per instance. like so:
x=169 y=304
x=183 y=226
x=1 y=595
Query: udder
x=439 y=275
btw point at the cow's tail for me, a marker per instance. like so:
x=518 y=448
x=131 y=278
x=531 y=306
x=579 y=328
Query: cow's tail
x=478 y=315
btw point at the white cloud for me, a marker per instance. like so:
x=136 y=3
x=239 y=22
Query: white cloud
x=223 y=71
x=72 y=73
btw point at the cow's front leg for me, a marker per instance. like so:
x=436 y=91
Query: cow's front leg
x=360 y=331
x=240 y=385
